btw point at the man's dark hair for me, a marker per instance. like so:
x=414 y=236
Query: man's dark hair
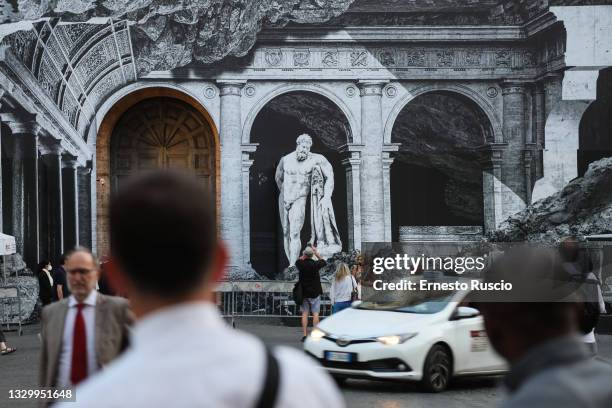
x=541 y=294
x=162 y=232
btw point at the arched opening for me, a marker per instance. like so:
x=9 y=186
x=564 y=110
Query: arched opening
x=276 y=128
x=436 y=177
x=153 y=128
x=595 y=134
x=162 y=133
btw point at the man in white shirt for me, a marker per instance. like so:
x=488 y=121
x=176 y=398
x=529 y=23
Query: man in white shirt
x=166 y=256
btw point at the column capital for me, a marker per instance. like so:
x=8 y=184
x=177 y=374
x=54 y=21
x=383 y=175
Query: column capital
x=513 y=87
x=249 y=147
x=51 y=146
x=371 y=86
x=70 y=162
x=230 y=87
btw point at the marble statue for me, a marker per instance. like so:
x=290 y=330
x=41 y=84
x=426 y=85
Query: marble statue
x=301 y=174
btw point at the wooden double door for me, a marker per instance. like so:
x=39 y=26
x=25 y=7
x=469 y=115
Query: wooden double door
x=162 y=133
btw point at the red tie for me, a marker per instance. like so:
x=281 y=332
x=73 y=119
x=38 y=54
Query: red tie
x=78 y=369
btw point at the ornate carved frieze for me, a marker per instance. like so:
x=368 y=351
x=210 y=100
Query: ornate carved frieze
x=400 y=57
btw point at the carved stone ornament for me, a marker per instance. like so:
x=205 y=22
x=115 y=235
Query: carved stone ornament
x=210 y=92
x=492 y=92
x=503 y=58
x=416 y=59
x=391 y=91
x=445 y=58
x=330 y=58
x=351 y=91
x=250 y=91
x=472 y=58
x=274 y=57
x=359 y=58
x=387 y=58
x=301 y=58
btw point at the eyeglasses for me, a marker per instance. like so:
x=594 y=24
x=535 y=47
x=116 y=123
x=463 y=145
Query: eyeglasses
x=82 y=271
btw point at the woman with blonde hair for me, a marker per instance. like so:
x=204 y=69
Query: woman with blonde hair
x=343 y=289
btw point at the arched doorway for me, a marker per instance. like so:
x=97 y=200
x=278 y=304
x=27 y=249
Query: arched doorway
x=276 y=128
x=152 y=128
x=162 y=133
x=595 y=137
x=436 y=177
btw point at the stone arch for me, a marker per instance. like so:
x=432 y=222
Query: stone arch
x=112 y=111
x=442 y=163
x=355 y=131
x=487 y=109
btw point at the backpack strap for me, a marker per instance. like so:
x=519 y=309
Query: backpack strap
x=269 y=392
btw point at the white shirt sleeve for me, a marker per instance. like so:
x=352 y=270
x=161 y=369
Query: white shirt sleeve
x=303 y=383
x=332 y=289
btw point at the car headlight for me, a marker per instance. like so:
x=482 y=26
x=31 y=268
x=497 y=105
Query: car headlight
x=317 y=334
x=395 y=339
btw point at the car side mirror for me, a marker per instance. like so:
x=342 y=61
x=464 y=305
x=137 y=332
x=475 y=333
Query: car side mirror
x=465 y=312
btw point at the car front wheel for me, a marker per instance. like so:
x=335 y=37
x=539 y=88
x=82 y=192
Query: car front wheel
x=437 y=369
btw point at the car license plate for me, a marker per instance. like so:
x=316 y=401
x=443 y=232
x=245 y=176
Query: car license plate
x=339 y=356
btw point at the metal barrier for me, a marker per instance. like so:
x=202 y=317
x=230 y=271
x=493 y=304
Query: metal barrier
x=262 y=299
x=10 y=307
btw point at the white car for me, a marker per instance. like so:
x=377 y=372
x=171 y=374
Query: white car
x=429 y=339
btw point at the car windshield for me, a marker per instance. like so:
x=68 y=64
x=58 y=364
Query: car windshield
x=423 y=303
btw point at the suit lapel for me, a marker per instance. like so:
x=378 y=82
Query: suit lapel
x=100 y=322
x=55 y=333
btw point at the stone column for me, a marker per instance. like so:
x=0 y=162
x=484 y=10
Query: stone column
x=372 y=189
x=513 y=170
x=70 y=199
x=25 y=214
x=540 y=123
x=352 y=166
x=387 y=161
x=247 y=162
x=231 y=174
x=84 y=206
x=492 y=158
x=553 y=89
x=52 y=157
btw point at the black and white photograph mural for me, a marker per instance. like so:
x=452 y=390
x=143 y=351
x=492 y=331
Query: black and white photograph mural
x=330 y=123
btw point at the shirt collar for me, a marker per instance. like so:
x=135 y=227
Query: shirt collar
x=177 y=319
x=560 y=351
x=90 y=300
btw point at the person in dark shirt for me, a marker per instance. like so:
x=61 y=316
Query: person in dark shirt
x=45 y=283
x=310 y=280
x=59 y=280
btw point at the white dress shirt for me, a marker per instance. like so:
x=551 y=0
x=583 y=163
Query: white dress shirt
x=341 y=291
x=49 y=277
x=65 y=359
x=187 y=356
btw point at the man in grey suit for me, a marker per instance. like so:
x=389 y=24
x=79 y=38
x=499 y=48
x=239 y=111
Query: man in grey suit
x=84 y=332
x=536 y=328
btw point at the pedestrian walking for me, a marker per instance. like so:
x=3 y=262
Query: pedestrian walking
x=4 y=349
x=343 y=289
x=59 y=277
x=183 y=354
x=550 y=366
x=85 y=332
x=579 y=267
x=45 y=283
x=310 y=280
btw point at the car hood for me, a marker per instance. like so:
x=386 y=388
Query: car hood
x=360 y=323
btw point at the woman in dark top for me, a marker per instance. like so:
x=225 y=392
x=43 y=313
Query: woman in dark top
x=45 y=283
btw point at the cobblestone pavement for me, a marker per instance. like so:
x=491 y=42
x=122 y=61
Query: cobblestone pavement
x=20 y=371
